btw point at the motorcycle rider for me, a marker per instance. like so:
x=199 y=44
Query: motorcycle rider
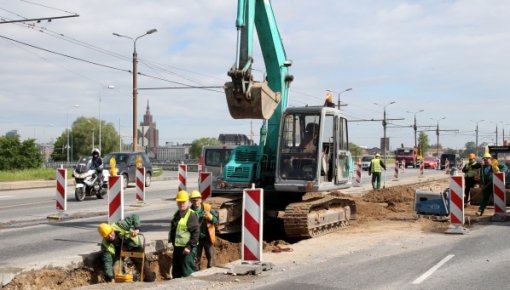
x=97 y=164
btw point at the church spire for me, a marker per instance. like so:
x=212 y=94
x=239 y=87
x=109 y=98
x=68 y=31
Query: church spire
x=148 y=111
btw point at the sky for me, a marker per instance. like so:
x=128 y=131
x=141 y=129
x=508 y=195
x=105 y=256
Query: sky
x=447 y=58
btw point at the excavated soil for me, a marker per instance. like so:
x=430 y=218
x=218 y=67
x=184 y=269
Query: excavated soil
x=388 y=205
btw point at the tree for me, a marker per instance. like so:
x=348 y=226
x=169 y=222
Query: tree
x=423 y=143
x=356 y=151
x=196 y=145
x=80 y=139
x=19 y=155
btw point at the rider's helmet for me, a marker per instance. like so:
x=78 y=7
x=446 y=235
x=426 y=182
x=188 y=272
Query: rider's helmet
x=95 y=152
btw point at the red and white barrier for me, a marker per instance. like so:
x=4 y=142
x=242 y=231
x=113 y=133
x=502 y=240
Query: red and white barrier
x=403 y=166
x=422 y=168
x=205 y=184
x=140 y=184
x=395 y=175
x=251 y=241
x=61 y=190
x=456 y=205
x=357 y=180
x=115 y=199
x=499 y=197
x=182 y=175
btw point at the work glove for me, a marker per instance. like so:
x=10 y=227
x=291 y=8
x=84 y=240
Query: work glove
x=208 y=216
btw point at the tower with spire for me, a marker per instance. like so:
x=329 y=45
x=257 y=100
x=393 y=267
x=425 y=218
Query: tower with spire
x=148 y=134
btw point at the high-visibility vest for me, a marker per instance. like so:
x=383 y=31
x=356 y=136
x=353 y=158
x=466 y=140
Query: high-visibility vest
x=376 y=165
x=182 y=235
x=110 y=247
x=471 y=172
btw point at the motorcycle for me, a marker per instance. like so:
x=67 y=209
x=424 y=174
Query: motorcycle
x=87 y=180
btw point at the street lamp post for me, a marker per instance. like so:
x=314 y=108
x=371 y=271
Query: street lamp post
x=67 y=121
x=415 y=128
x=135 y=83
x=339 y=93
x=100 y=123
x=384 y=123
x=437 y=134
x=476 y=135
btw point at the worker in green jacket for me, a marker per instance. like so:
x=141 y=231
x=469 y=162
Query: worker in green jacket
x=486 y=172
x=470 y=175
x=376 y=167
x=126 y=230
x=207 y=219
x=184 y=234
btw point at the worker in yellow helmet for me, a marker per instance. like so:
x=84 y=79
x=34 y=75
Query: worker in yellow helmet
x=486 y=174
x=207 y=219
x=126 y=230
x=184 y=234
x=470 y=176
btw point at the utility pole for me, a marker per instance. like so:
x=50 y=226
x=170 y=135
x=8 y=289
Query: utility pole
x=476 y=134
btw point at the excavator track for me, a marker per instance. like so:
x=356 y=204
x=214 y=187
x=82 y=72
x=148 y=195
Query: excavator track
x=308 y=219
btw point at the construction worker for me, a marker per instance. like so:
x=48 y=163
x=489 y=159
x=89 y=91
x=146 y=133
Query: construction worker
x=470 y=175
x=329 y=101
x=184 y=234
x=375 y=169
x=486 y=172
x=113 y=235
x=207 y=219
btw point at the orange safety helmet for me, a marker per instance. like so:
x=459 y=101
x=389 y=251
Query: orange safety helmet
x=471 y=156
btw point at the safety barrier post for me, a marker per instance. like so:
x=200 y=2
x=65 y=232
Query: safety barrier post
x=357 y=181
x=447 y=166
x=395 y=175
x=251 y=239
x=403 y=166
x=182 y=176
x=140 y=184
x=499 y=197
x=205 y=184
x=115 y=198
x=456 y=206
x=61 y=198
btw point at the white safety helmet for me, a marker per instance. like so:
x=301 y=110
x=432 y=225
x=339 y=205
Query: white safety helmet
x=95 y=150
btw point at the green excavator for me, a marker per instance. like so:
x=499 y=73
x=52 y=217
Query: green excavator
x=302 y=157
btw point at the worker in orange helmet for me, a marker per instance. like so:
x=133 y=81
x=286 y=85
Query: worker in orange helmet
x=329 y=101
x=207 y=219
x=471 y=175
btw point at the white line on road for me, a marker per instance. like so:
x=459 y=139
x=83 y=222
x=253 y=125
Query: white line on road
x=6 y=196
x=432 y=270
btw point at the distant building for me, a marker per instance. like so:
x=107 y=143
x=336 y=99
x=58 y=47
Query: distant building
x=46 y=150
x=171 y=152
x=12 y=133
x=148 y=135
x=234 y=139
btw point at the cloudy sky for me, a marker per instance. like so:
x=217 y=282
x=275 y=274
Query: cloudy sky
x=447 y=58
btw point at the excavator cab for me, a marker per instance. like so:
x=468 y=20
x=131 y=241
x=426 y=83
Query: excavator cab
x=250 y=99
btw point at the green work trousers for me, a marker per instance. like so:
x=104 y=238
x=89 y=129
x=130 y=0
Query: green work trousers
x=183 y=265
x=487 y=191
x=376 y=180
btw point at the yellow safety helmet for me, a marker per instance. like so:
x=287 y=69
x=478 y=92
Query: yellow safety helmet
x=487 y=155
x=104 y=230
x=195 y=194
x=182 y=196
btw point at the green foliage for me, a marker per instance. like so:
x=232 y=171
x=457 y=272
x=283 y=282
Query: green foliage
x=15 y=154
x=196 y=145
x=29 y=174
x=356 y=151
x=84 y=134
x=423 y=142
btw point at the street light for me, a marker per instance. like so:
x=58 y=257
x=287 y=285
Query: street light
x=437 y=134
x=339 y=93
x=100 y=124
x=384 y=123
x=476 y=132
x=67 y=121
x=415 y=128
x=135 y=84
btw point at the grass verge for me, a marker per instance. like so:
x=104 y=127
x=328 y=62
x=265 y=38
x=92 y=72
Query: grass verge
x=28 y=174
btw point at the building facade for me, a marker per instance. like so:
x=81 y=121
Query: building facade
x=148 y=134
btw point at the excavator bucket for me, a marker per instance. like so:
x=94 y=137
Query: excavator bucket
x=258 y=103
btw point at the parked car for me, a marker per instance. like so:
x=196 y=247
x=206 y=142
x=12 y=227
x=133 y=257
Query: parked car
x=365 y=162
x=125 y=163
x=430 y=162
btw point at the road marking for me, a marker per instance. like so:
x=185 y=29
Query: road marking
x=23 y=204
x=432 y=270
x=6 y=196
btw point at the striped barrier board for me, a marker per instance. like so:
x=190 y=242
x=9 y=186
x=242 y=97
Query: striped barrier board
x=251 y=240
x=422 y=167
x=182 y=175
x=499 y=197
x=447 y=166
x=61 y=200
x=456 y=205
x=140 y=184
x=395 y=175
x=115 y=199
x=205 y=184
x=357 y=181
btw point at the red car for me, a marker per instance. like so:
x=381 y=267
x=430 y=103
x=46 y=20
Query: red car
x=430 y=162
